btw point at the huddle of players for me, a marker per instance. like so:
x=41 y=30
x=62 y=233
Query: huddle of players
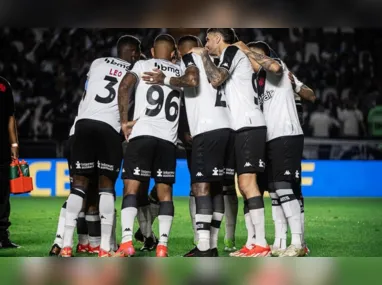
x=239 y=121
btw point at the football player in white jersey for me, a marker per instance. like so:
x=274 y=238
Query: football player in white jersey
x=232 y=78
x=151 y=151
x=97 y=148
x=285 y=141
x=210 y=128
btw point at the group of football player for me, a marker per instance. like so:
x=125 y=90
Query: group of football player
x=233 y=105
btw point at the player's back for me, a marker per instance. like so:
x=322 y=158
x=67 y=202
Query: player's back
x=158 y=106
x=241 y=98
x=100 y=102
x=279 y=106
x=206 y=107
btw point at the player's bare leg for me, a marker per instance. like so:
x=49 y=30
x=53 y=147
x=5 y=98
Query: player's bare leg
x=73 y=208
x=231 y=206
x=203 y=218
x=248 y=185
x=128 y=213
x=165 y=218
x=217 y=216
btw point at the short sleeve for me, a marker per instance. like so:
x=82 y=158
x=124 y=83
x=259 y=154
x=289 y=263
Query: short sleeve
x=228 y=62
x=136 y=69
x=187 y=61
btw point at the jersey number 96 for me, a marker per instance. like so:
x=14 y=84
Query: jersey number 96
x=158 y=103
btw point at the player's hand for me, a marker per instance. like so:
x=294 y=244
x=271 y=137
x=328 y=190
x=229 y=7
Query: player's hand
x=198 y=50
x=127 y=128
x=15 y=152
x=291 y=78
x=155 y=77
x=242 y=46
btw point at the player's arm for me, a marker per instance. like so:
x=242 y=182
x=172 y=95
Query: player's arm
x=301 y=89
x=216 y=75
x=189 y=79
x=258 y=59
x=125 y=90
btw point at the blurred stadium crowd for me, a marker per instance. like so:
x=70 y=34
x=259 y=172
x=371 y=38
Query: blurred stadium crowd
x=47 y=69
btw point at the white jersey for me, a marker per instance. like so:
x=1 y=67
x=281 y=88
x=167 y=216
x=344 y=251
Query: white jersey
x=101 y=100
x=206 y=111
x=279 y=106
x=73 y=128
x=156 y=107
x=238 y=89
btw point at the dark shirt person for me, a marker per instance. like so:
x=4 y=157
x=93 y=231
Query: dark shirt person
x=8 y=151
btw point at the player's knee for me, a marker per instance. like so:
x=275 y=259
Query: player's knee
x=247 y=183
x=107 y=191
x=164 y=192
x=78 y=191
x=105 y=182
x=80 y=181
x=201 y=189
x=131 y=187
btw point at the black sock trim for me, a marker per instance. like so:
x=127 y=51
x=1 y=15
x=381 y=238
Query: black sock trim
x=216 y=224
x=256 y=203
x=202 y=226
x=203 y=205
x=129 y=201
x=287 y=198
x=166 y=208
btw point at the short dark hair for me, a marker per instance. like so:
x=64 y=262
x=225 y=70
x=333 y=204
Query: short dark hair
x=261 y=45
x=166 y=38
x=229 y=35
x=128 y=40
x=190 y=38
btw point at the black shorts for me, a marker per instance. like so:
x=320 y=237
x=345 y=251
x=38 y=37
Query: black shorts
x=208 y=156
x=67 y=153
x=250 y=150
x=148 y=156
x=96 y=149
x=284 y=158
x=229 y=166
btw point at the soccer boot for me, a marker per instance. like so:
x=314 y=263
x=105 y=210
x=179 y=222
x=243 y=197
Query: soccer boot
x=214 y=252
x=229 y=245
x=93 y=250
x=126 y=249
x=82 y=248
x=66 y=252
x=258 y=251
x=150 y=244
x=198 y=253
x=139 y=236
x=293 y=251
x=306 y=249
x=162 y=251
x=276 y=251
x=55 y=250
x=104 y=253
x=244 y=250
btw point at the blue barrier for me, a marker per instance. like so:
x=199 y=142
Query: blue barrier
x=319 y=178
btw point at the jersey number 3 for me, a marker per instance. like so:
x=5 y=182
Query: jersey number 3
x=109 y=87
x=158 y=103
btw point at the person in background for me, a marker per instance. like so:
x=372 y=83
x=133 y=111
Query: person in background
x=9 y=149
x=374 y=120
x=352 y=120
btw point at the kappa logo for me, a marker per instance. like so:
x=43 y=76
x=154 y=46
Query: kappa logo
x=225 y=64
x=137 y=171
x=127 y=230
x=190 y=64
x=215 y=171
x=159 y=173
x=247 y=164
x=261 y=163
x=199 y=174
x=123 y=170
x=78 y=165
x=287 y=172
x=297 y=174
x=59 y=236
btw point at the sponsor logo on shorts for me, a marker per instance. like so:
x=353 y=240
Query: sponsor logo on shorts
x=199 y=174
x=105 y=166
x=137 y=171
x=247 y=164
x=217 y=172
x=167 y=174
x=229 y=171
x=86 y=165
x=297 y=174
x=261 y=163
x=287 y=172
x=141 y=172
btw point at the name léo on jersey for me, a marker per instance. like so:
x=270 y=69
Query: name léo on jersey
x=156 y=107
x=101 y=99
x=206 y=107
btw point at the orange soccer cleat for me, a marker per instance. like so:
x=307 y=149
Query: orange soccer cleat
x=104 y=253
x=162 y=251
x=66 y=252
x=126 y=249
x=93 y=249
x=241 y=252
x=82 y=248
x=259 y=251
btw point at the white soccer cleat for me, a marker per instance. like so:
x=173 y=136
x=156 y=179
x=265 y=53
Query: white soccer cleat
x=276 y=251
x=293 y=251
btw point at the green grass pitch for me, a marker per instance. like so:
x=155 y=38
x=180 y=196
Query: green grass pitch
x=335 y=227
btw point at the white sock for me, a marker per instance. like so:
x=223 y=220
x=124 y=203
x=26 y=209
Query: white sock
x=192 y=208
x=231 y=208
x=113 y=240
x=59 y=240
x=73 y=208
x=203 y=233
x=292 y=212
x=303 y=228
x=165 y=223
x=258 y=220
x=128 y=216
x=279 y=219
x=94 y=241
x=251 y=235
x=144 y=220
x=106 y=212
x=216 y=221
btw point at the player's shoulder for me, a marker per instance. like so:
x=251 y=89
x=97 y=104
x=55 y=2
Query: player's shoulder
x=191 y=59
